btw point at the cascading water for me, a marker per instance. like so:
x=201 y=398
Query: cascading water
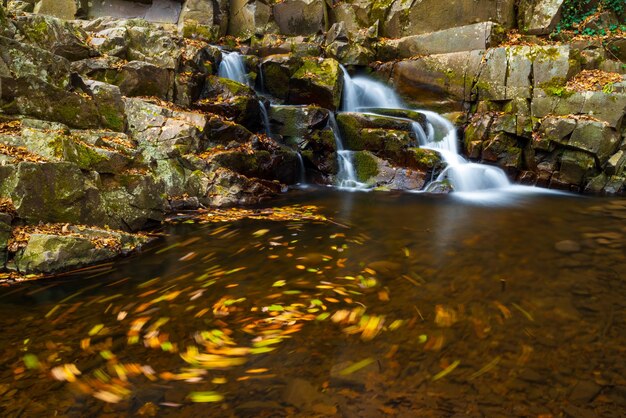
x=265 y=118
x=463 y=176
x=302 y=171
x=232 y=67
x=346 y=176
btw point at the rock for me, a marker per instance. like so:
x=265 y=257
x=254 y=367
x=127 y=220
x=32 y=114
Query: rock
x=228 y=188
x=350 y=53
x=276 y=72
x=59 y=145
x=237 y=101
x=46 y=253
x=297 y=121
x=567 y=246
x=295 y=46
x=539 y=17
x=615 y=164
x=605 y=107
x=52 y=192
x=304 y=396
x=595 y=137
x=503 y=150
x=54 y=35
x=584 y=392
x=557 y=129
x=201 y=19
x=21 y=61
x=248 y=18
x=406 y=17
x=108 y=99
x=162 y=133
x=355 y=14
x=354 y=125
x=63 y=9
x=7 y=29
x=299 y=17
x=135 y=40
x=133 y=201
x=576 y=166
x=436 y=76
x=478 y=36
x=269 y=164
x=317 y=81
x=164 y=11
x=135 y=78
x=5 y=234
x=553 y=65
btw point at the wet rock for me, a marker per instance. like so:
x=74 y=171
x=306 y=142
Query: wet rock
x=248 y=18
x=57 y=36
x=317 y=81
x=299 y=17
x=584 y=392
x=46 y=253
x=276 y=72
x=539 y=17
x=237 y=101
x=228 y=188
x=297 y=121
x=410 y=18
x=477 y=36
x=353 y=126
x=567 y=246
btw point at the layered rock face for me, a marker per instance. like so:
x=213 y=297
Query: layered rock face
x=113 y=114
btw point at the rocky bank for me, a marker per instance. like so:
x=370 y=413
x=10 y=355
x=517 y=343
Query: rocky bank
x=112 y=114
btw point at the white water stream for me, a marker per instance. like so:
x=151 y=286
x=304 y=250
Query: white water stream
x=232 y=67
x=469 y=180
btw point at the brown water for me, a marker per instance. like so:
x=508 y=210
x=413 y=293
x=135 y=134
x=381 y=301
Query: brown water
x=404 y=305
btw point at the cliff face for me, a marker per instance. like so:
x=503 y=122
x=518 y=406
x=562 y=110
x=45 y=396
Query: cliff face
x=118 y=120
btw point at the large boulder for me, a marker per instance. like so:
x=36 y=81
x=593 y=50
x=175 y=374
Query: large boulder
x=299 y=17
x=228 y=188
x=412 y=17
x=57 y=36
x=7 y=28
x=135 y=40
x=78 y=247
x=134 y=78
x=248 y=18
x=63 y=9
x=163 y=11
x=231 y=99
x=204 y=19
x=276 y=71
x=297 y=121
x=52 y=192
x=463 y=38
x=317 y=81
x=539 y=17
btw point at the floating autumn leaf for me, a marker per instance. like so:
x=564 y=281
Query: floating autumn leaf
x=205 y=397
x=445 y=316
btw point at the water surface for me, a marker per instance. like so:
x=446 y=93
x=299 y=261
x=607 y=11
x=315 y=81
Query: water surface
x=404 y=304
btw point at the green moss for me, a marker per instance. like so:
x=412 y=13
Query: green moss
x=193 y=30
x=426 y=158
x=324 y=73
x=350 y=131
x=112 y=118
x=556 y=87
x=365 y=166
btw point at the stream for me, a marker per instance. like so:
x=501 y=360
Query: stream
x=370 y=304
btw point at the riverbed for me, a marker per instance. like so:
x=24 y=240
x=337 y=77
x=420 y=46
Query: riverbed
x=381 y=304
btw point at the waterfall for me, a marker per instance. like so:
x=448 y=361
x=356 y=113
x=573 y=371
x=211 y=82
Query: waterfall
x=464 y=177
x=265 y=118
x=346 y=176
x=232 y=67
x=302 y=173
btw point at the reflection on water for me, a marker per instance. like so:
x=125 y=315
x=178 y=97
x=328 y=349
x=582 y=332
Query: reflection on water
x=406 y=305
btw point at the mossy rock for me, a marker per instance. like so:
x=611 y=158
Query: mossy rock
x=365 y=165
x=317 y=81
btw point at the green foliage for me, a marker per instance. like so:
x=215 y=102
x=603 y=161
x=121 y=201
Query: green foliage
x=575 y=12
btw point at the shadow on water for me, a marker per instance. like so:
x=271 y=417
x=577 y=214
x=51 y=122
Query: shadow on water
x=405 y=304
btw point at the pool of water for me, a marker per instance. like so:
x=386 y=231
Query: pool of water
x=399 y=304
